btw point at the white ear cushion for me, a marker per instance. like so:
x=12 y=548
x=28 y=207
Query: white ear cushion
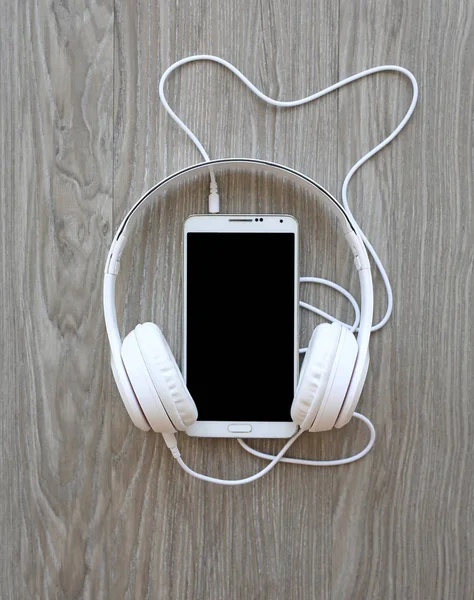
x=338 y=382
x=166 y=376
x=314 y=373
x=143 y=387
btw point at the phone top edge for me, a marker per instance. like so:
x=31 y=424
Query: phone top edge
x=241 y=222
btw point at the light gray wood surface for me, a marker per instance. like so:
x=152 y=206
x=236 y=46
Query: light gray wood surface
x=91 y=507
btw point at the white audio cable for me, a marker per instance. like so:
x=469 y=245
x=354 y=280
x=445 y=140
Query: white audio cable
x=172 y=444
x=214 y=208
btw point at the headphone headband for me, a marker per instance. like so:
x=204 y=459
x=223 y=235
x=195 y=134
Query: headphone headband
x=351 y=233
x=234 y=163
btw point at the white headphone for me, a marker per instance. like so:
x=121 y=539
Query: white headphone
x=336 y=363
x=334 y=368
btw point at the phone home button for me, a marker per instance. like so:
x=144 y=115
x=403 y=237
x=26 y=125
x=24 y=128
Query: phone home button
x=239 y=428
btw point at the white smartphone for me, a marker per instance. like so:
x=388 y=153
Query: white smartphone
x=240 y=358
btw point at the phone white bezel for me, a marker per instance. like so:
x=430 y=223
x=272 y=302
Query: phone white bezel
x=242 y=224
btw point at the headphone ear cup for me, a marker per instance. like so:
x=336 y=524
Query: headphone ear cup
x=166 y=376
x=338 y=384
x=142 y=384
x=156 y=380
x=324 y=378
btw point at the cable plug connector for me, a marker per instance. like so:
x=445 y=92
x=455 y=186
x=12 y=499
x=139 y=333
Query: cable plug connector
x=213 y=199
x=170 y=441
x=175 y=452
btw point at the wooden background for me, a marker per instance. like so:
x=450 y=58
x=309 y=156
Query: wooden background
x=93 y=508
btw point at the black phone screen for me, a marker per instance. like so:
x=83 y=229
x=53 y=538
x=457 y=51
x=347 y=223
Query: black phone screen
x=240 y=348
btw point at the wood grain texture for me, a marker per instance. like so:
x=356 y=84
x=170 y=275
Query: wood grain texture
x=59 y=155
x=93 y=508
